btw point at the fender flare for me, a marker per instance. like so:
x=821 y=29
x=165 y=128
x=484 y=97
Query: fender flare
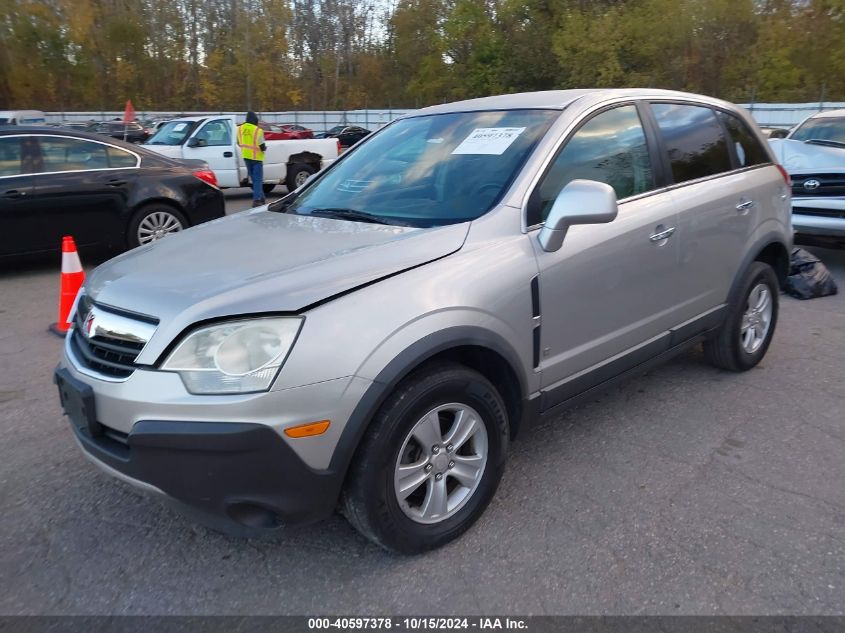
x=751 y=255
x=401 y=366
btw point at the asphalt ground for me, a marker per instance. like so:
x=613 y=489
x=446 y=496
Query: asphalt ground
x=686 y=491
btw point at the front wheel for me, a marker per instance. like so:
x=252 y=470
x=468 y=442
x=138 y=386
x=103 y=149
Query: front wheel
x=430 y=462
x=742 y=340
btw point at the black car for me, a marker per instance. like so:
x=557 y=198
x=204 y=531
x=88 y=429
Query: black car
x=348 y=135
x=103 y=192
x=133 y=132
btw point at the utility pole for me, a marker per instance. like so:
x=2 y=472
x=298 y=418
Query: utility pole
x=248 y=23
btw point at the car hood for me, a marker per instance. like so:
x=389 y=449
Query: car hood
x=256 y=262
x=801 y=156
x=171 y=151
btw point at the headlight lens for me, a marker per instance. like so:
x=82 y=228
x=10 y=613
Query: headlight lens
x=234 y=357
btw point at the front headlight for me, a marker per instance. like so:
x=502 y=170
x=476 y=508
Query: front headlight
x=234 y=357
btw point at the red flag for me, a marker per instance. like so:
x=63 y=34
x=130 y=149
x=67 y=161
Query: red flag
x=129 y=113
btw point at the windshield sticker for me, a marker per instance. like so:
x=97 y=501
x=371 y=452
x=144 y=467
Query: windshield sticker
x=436 y=141
x=354 y=186
x=179 y=127
x=489 y=140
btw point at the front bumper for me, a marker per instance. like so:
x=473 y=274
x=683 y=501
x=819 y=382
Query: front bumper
x=824 y=217
x=238 y=472
x=223 y=456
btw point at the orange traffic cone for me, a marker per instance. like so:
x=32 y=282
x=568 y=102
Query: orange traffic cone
x=72 y=278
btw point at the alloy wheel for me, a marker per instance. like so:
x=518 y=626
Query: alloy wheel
x=157 y=225
x=757 y=318
x=441 y=463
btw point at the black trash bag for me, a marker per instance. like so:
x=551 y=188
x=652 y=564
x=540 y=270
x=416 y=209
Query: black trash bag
x=808 y=277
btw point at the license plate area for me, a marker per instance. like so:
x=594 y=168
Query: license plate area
x=78 y=403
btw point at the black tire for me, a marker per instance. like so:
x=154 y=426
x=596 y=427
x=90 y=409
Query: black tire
x=132 y=238
x=369 y=500
x=268 y=188
x=724 y=349
x=298 y=172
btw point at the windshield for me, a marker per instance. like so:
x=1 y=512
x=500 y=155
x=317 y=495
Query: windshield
x=173 y=133
x=430 y=170
x=821 y=129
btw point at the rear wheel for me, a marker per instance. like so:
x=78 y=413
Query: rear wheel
x=153 y=222
x=430 y=462
x=744 y=337
x=298 y=173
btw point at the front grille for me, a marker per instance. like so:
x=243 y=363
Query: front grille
x=110 y=356
x=829 y=185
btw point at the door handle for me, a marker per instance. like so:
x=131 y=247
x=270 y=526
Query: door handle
x=745 y=206
x=14 y=193
x=227 y=154
x=115 y=182
x=662 y=235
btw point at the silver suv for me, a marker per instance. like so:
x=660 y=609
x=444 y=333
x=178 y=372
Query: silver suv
x=374 y=340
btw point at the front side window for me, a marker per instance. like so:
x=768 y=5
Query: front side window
x=694 y=140
x=609 y=148
x=748 y=149
x=429 y=170
x=71 y=154
x=828 y=129
x=216 y=133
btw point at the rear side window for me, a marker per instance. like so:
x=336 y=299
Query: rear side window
x=610 y=148
x=694 y=140
x=748 y=149
x=70 y=154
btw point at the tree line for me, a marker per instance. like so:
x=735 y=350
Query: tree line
x=272 y=55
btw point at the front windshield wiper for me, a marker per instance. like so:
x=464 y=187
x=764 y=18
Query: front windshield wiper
x=823 y=141
x=355 y=216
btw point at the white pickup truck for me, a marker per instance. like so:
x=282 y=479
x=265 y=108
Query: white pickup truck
x=214 y=140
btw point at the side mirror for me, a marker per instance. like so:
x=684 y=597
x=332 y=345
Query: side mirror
x=779 y=133
x=579 y=202
x=196 y=142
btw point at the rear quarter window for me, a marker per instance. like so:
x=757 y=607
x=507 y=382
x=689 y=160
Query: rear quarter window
x=694 y=140
x=749 y=151
x=120 y=158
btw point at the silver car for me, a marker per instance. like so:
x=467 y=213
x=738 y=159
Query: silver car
x=375 y=340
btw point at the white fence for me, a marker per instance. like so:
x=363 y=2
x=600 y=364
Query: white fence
x=787 y=114
x=768 y=114
x=319 y=121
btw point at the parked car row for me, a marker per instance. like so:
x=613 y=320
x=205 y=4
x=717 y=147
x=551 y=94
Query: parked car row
x=284 y=132
x=348 y=135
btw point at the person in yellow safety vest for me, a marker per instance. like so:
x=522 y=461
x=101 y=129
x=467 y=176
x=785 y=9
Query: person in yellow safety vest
x=251 y=142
